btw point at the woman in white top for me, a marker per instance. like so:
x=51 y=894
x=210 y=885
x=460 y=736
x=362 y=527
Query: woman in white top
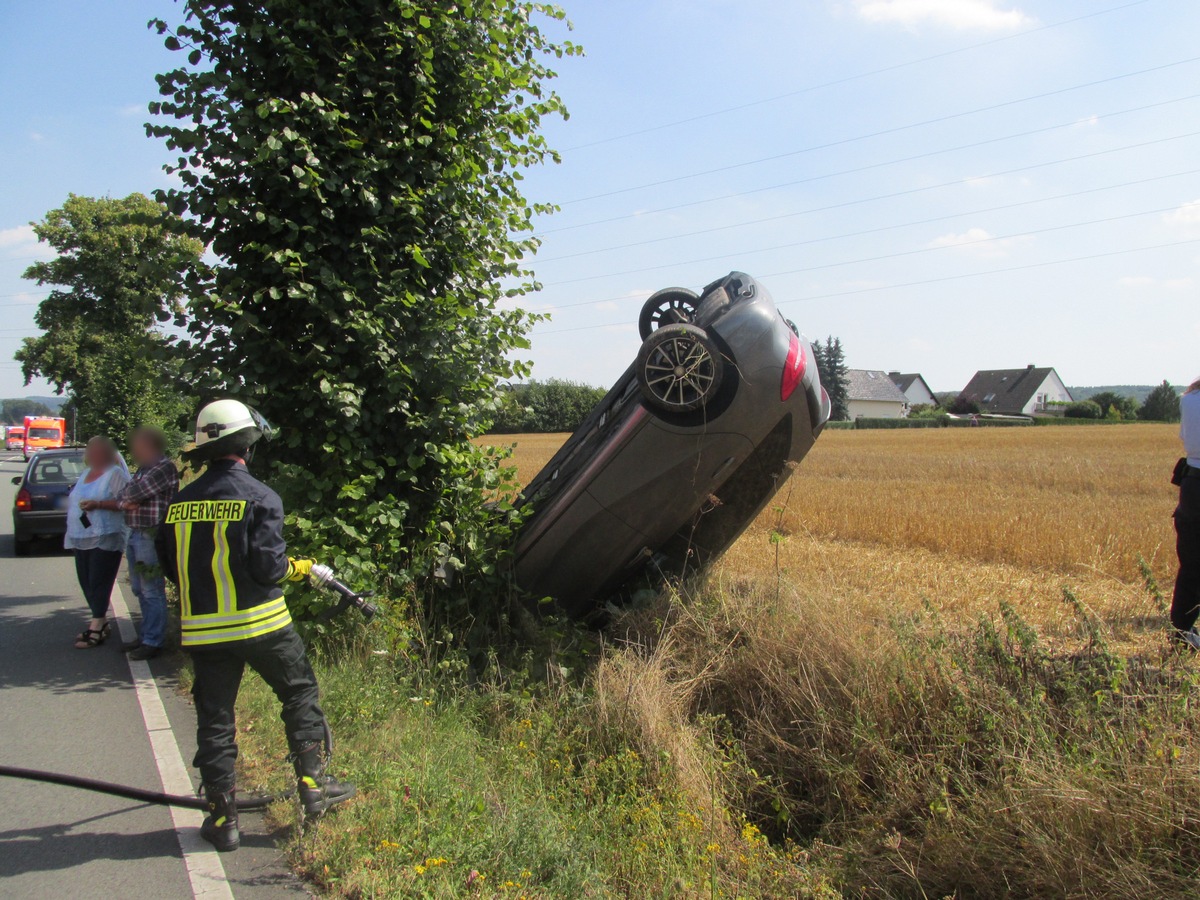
x=1186 y=604
x=97 y=536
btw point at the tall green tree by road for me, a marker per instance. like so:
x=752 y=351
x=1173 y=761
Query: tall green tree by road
x=357 y=167
x=1162 y=405
x=120 y=270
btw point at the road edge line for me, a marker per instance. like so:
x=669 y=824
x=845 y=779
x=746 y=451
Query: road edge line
x=205 y=871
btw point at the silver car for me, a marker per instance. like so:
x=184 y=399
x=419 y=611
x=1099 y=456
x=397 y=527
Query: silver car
x=682 y=454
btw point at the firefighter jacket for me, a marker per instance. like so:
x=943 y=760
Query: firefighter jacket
x=222 y=544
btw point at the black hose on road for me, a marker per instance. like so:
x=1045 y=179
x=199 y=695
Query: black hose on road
x=131 y=793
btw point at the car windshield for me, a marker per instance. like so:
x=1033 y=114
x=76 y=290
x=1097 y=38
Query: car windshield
x=57 y=470
x=44 y=434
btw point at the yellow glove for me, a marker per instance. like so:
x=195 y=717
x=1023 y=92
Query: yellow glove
x=298 y=569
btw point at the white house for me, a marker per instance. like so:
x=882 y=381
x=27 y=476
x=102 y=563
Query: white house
x=914 y=387
x=872 y=394
x=1017 y=392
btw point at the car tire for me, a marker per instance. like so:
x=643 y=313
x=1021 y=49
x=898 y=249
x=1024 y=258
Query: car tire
x=22 y=548
x=670 y=306
x=679 y=369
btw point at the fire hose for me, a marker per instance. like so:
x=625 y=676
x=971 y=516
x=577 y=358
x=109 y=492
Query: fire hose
x=321 y=577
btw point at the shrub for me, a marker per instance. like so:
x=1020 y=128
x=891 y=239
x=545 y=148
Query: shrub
x=865 y=423
x=1084 y=409
x=962 y=405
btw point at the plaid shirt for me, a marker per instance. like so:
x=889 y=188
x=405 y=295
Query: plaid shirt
x=152 y=489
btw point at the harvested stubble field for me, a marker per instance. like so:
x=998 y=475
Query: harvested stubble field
x=964 y=519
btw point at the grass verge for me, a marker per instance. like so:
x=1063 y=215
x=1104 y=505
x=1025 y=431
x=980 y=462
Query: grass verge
x=907 y=758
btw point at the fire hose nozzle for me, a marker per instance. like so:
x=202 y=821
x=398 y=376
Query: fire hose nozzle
x=321 y=576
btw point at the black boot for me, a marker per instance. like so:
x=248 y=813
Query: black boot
x=220 y=826
x=318 y=791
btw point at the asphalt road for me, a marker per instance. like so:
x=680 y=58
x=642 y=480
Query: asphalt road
x=85 y=712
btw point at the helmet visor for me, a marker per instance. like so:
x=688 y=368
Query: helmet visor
x=261 y=424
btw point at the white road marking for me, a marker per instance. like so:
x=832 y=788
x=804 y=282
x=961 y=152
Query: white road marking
x=204 y=867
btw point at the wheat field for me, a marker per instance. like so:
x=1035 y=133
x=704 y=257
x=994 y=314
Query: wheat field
x=963 y=519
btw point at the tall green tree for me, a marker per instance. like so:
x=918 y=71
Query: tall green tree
x=831 y=364
x=1108 y=401
x=357 y=169
x=120 y=269
x=1162 y=405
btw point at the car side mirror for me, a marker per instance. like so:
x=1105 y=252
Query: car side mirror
x=17 y=479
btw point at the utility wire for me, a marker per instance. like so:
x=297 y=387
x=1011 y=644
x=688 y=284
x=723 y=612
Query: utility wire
x=866 y=231
x=812 y=178
x=850 y=78
x=890 y=195
x=884 y=131
x=888 y=287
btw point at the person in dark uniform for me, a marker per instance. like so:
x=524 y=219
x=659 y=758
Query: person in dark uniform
x=222 y=544
x=1185 y=607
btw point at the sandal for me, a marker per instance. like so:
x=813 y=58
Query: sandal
x=89 y=637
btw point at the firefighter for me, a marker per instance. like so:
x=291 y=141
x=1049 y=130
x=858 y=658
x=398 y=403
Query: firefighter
x=222 y=544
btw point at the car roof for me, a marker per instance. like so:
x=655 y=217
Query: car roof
x=61 y=451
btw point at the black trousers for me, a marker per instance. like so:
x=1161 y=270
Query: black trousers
x=97 y=573
x=1185 y=607
x=280 y=659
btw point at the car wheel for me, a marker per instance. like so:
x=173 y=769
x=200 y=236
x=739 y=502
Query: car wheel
x=22 y=548
x=679 y=369
x=670 y=306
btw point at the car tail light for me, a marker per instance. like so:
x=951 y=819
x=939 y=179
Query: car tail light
x=24 y=499
x=793 y=369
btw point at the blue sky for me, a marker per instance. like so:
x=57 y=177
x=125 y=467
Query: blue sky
x=947 y=185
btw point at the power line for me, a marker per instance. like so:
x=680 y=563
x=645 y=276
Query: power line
x=889 y=196
x=867 y=231
x=849 y=78
x=854 y=171
x=885 y=131
x=970 y=243
x=945 y=278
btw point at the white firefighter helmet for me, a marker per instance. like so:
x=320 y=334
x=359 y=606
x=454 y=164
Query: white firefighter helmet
x=225 y=425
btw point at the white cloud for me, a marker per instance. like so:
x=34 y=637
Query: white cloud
x=21 y=236
x=962 y=14
x=978 y=241
x=21 y=243
x=1186 y=216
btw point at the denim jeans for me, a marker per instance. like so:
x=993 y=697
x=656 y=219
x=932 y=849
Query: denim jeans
x=149 y=586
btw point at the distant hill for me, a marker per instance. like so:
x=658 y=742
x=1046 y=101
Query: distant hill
x=1139 y=392
x=55 y=403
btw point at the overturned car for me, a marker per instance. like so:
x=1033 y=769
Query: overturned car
x=681 y=455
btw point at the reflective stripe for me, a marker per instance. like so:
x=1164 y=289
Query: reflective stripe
x=193 y=638
x=254 y=613
x=183 y=546
x=222 y=574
